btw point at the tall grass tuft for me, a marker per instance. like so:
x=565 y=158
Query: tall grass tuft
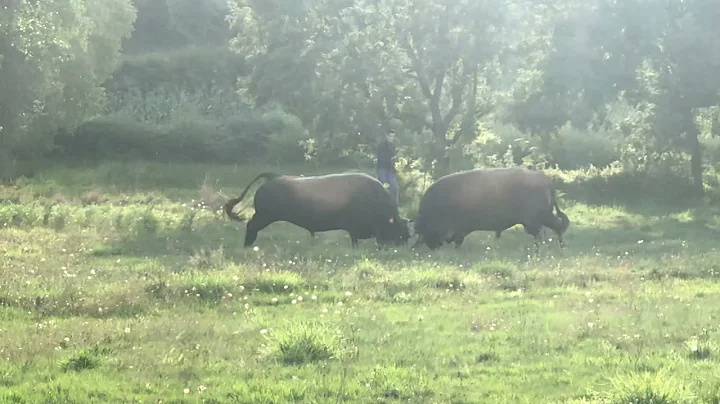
x=305 y=342
x=647 y=388
x=85 y=359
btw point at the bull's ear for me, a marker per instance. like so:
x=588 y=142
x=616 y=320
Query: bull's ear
x=392 y=220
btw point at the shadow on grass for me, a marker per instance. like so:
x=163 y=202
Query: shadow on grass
x=284 y=245
x=664 y=237
x=645 y=196
x=280 y=241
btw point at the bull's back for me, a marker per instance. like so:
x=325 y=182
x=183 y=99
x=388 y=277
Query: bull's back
x=322 y=202
x=462 y=191
x=483 y=199
x=340 y=191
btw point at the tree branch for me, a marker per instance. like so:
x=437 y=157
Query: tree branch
x=439 y=81
x=416 y=66
x=457 y=101
x=434 y=95
x=364 y=88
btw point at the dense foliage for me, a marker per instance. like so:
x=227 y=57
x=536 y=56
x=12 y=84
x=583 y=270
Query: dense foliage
x=464 y=83
x=55 y=55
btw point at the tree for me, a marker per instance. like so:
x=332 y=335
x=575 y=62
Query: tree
x=447 y=44
x=163 y=25
x=663 y=62
x=54 y=57
x=416 y=61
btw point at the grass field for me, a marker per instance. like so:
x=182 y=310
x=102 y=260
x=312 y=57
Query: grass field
x=118 y=285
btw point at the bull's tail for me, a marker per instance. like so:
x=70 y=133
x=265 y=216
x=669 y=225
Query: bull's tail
x=229 y=205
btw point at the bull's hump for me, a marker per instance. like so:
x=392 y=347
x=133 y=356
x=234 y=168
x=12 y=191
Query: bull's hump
x=333 y=176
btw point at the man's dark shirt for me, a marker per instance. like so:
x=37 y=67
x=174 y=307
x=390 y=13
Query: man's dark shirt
x=385 y=154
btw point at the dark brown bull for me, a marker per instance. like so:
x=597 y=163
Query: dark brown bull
x=354 y=202
x=488 y=200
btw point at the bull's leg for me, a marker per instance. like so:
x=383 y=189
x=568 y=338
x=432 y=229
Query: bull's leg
x=458 y=239
x=434 y=241
x=353 y=240
x=560 y=239
x=257 y=223
x=534 y=230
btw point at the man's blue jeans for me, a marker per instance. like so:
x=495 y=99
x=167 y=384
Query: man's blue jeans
x=386 y=176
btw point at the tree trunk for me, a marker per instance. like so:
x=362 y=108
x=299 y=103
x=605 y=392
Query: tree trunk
x=439 y=155
x=469 y=124
x=696 y=166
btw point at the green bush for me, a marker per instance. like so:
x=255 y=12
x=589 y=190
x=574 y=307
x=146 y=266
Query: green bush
x=177 y=105
x=161 y=106
x=191 y=69
x=195 y=137
x=110 y=137
x=492 y=147
x=575 y=149
x=287 y=136
x=161 y=25
x=502 y=145
x=614 y=184
x=182 y=132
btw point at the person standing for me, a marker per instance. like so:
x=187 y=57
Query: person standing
x=386 y=172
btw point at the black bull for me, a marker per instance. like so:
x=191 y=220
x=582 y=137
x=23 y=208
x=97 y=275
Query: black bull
x=487 y=200
x=354 y=202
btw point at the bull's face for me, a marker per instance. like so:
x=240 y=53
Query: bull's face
x=396 y=232
x=561 y=223
x=402 y=231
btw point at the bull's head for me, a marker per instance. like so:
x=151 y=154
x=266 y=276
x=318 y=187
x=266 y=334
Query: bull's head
x=395 y=232
x=560 y=224
x=402 y=230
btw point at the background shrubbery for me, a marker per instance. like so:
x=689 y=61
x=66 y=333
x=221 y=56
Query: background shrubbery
x=183 y=133
x=212 y=82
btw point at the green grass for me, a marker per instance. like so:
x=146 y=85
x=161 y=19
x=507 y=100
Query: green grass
x=121 y=283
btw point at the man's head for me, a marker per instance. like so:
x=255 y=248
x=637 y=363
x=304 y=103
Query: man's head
x=391 y=134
